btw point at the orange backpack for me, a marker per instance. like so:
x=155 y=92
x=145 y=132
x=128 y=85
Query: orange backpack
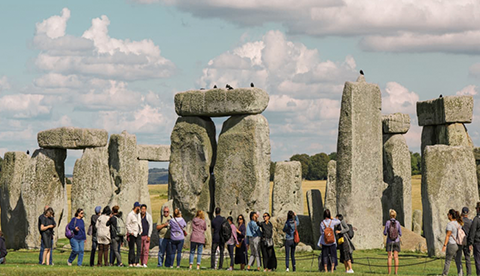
x=328 y=234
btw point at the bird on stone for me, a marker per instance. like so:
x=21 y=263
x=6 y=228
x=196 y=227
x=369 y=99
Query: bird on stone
x=228 y=87
x=361 y=72
x=202 y=88
x=441 y=96
x=28 y=152
x=251 y=84
x=215 y=86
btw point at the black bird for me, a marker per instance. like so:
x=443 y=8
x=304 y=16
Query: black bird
x=202 y=88
x=28 y=152
x=228 y=87
x=441 y=96
x=215 y=86
x=251 y=84
x=361 y=72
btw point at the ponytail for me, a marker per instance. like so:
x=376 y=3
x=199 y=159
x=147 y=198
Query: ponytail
x=456 y=215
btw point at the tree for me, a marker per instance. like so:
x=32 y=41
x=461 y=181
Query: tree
x=304 y=159
x=318 y=166
x=416 y=161
x=333 y=156
x=272 y=170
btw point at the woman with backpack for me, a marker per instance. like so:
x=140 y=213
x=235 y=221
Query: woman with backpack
x=268 y=251
x=345 y=244
x=197 y=239
x=328 y=241
x=231 y=242
x=117 y=232
x=451 y=246
x=77 y=242
x=177 y=226
x=290 y=226
x=241 y=247
x=393 y=231
x=103 y=236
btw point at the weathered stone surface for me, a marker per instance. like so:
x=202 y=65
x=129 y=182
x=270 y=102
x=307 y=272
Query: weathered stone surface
x=331 y=188
x=413 y=242
x=287 y=188
x=155 y=153
x=448 y=181
x=242 y=170
x=478 y=177
x=453 y=135
x=429 y=137
x=397 y=173
x=124 y=170
x=221 y=102
x=359 y=162
x=449 y=109
x=44 y=184
x=191 y=163
x=417 y=222
x=91 y=185
x=72 y=138
x=14 y=220
x=143 y=184
x=315 y=212
x=396 y=123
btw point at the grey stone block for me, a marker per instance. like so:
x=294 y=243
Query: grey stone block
x=72 y=138
x=449 y=109
x=154 y=153
x=397 y=123
x=287 y=188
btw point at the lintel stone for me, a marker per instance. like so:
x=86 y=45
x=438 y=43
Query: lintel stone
x=154 y=153
x=445 y=110
x=72 y=138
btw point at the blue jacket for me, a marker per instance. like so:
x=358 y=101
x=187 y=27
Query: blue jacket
x=289 y=228
x=253 y=230
x=80 y=234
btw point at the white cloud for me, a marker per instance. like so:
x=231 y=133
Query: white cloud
x=23 y=106
x=397 y=98
x=468 y=90
x=4 y=84
x=55 y=26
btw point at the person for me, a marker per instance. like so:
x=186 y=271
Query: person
x=197 y=239
x=347 y=247
x=103 y=236
x=473 y=239
x=217 y=241
x=231 y=242
x=241 y=247
x=147 y=225
x=268 y=251
x=253 y=240
x=329 y=245
x=78 y=241
x=467 y=223
x=3 y=249
x=177 y=225
x=42 y=246
x=163 y=227
x=289 y=228
x=47 y=224
x=93 y=221
x=134 y=229
x=115 y=237
x=393 y=231
x=450 y=246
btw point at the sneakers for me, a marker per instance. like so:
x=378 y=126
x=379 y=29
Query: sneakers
x=138 y=265
x=288 y=269
x=130 y=265
x=145 y=265
x=69 y=264
x=229 y=269
x=350 y=271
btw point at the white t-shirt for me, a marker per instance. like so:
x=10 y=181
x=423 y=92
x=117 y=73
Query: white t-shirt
x=453 y=227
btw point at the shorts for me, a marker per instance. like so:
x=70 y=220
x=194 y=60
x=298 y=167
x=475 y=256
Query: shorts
x=393 y=246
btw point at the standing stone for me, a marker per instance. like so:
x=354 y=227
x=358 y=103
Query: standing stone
x=453 y=135
x=287 y=188
x=91 y=185
x=446 y=110
x=315 y=211
x=397 y=123
x=143 y=183
x=72 y=138
x=397 y=173
x=124 y=170
x=14 y=220
x=331 y=187
x=44 y=184
x=359 y=162
x=242 y=170
x=417 y=222
x=448 y=181
x=193 y=150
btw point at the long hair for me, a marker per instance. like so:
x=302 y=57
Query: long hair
x=200 y=214
x=238 y=219
x=78 y=212
x=115 y=209
x=251 y=215
x=106 y=211
x=456 y=215
x=177 y=213
x=326 y=214
x=290 y=215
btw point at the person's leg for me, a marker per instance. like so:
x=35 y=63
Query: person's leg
x=40 y=255
x=193 y=247
x=476 y=256
x=138 y=242
x=179 y=252
x=74 y=246
x=92 y=253
x=389 y=261
x=230 y=253
x=51 y=253
x=213 y=255
x=458 y=260
x=100 y=254
x=142 y=250
x=257 y=247
x=199 y=255
x=168 y=254
x=48 y=252
x=106 y=254
x=468 y=264
x=287 y=253
x=113 y=247
x=161 y=251
x=333 y=257
x=81 y=250
x=395 y=256
x=222 y=250
x=450 y=253
x=292 y=255
x=44 y=257
x=131 y=250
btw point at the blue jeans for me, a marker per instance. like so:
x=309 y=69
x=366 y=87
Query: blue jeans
x=176 y=247
x=1 y=260
x=40 y=257
x=193 y=246
x=163 y=250
x=77 y=249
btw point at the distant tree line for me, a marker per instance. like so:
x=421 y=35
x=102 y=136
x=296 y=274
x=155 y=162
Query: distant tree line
x=314 y=167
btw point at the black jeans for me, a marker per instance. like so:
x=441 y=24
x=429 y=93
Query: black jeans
x=476 y=255
x=290 y=251
x=92 y=253
x=231 y=249
x=212 y=255
x=132 y=242
x=466 y=253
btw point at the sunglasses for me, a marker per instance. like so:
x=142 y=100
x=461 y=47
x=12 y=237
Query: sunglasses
x=265 y=216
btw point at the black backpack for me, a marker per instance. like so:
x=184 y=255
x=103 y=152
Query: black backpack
x=351 y=233
x=225 y=231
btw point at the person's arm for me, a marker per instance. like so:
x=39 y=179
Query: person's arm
x=71 y=225
x=446 y=241
x=109 y=222
x=285 y=227
x=344 y=228
x=399 y=229
x=150 y=224
x=472 y=232
x=297 y=221
x=386 y=227
x=204 y=226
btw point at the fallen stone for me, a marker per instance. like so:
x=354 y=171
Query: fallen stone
x=444 y=168
x=396 y=123
x=221 y=102
x=412 y=242
x=72 y=138
x=397 y=173
x=359 y=162
x=242 y=169
x=287 y=188
x=331 y=187
x=154 y=153
x=315 y=210
x=191 y=163
x=417 y=222
x=449 y=109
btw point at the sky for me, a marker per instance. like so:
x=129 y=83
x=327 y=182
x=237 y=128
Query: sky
x=117 y=64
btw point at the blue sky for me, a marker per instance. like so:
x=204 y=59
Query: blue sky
x=117 y=64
